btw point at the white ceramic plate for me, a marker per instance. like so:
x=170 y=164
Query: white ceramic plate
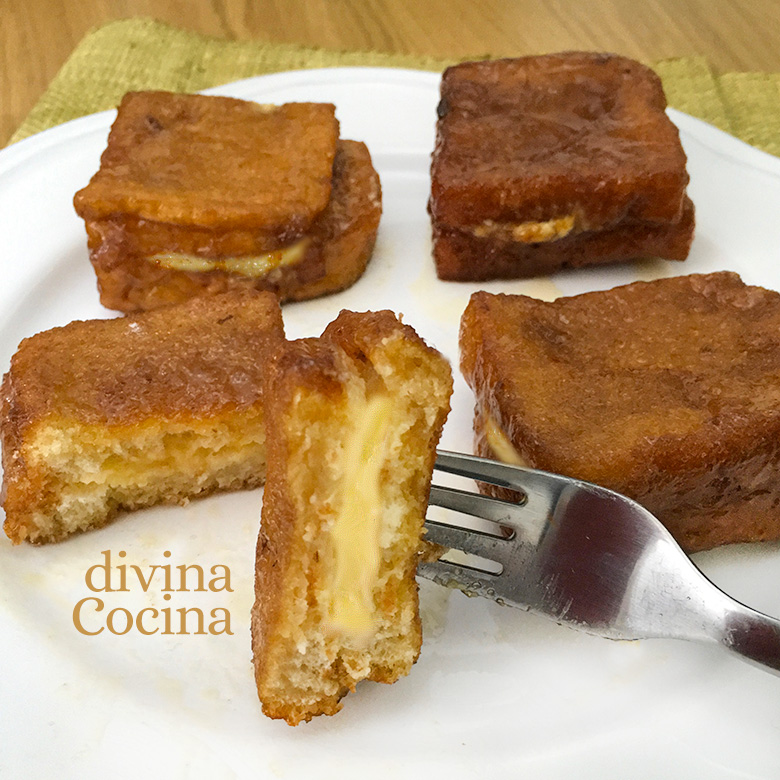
x=497 y=692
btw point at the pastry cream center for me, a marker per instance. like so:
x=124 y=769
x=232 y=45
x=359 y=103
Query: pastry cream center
x=500 y=444
x=356 y=529
x=250 y=265
x=528 y=232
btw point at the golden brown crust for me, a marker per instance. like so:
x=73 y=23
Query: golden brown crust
x=298 y=363
x=359 y=334
x=215 y=162
x=181 y=362
x=107 y=393
x=664 y=391
x=519 y=139
x=310 y=384
x=577 y=138
x=341 y=240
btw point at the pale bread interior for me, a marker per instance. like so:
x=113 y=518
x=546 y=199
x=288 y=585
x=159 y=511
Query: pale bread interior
x=90 y=472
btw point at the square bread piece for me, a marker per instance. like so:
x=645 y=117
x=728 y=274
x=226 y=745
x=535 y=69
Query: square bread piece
x=160 y=407
x=200 y=194
x=665 y=391
x=353 y=419
x=555 y=161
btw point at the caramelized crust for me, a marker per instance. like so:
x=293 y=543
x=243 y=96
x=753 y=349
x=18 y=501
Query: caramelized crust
x=665 y=391
x=555 y=161
x=339 y=245
x=214 y=162
x=103 y=415
x=182 y=362
x=528 y=139
x=318 y=393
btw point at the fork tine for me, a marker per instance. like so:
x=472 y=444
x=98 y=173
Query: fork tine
x=474 y=504
x=481 y=469
x=469 y=541
x=591 y=558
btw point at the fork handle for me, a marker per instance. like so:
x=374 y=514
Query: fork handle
x=753 y=636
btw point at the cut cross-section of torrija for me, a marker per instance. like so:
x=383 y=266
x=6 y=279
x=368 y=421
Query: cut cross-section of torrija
x=352 y=428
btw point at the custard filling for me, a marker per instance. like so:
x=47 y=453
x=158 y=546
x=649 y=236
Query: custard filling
x=500 y=444
x=356 y=529
x=250 y=265
x=527 y=232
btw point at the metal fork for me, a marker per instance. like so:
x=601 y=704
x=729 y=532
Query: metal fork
x=588 y=557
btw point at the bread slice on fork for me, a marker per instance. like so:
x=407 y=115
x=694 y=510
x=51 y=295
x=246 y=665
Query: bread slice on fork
x=353 y=419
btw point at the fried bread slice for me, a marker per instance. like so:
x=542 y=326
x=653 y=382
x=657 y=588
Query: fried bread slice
x=665 y=391
x=106 y=415
x=353 y=419
x=215 y=162
x=332 y=256
x=537 y=150
x=197 y=195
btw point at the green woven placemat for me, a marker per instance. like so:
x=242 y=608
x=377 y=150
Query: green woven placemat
x=146 y=54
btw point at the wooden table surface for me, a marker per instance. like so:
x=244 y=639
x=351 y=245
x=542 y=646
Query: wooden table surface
x=36 y=36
